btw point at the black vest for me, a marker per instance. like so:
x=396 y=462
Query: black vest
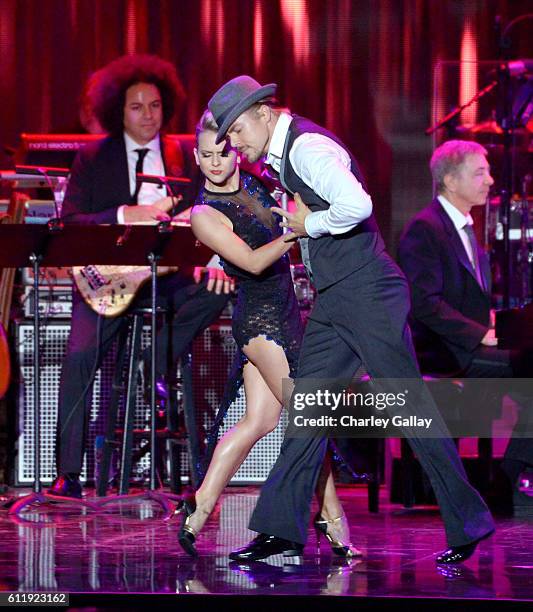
x=332 y=257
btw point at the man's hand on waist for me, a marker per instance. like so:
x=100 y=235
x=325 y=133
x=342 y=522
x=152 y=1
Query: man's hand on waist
x=294 y=221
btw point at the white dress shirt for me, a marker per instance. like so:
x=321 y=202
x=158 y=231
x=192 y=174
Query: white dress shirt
x=459 y=221
x=150 y=192
x=324 y=166
x=153 y=164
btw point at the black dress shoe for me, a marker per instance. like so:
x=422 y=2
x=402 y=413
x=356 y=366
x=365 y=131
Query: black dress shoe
x=264 y=546
x=458 y=554
x=260 y=573
x=66 y=486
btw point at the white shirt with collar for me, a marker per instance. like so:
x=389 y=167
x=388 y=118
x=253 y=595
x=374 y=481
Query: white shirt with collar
x=459 y=221
x=324 y=166
x=153 y=164
x=149 y=192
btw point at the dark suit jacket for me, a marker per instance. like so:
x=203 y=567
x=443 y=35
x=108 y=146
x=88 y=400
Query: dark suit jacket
x=450 y=311
x=99 y=181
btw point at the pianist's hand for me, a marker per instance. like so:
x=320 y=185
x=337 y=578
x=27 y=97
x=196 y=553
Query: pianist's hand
x=489 y=339
x=148 y=213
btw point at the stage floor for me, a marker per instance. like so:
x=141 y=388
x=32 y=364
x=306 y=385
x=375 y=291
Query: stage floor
x=132 y=550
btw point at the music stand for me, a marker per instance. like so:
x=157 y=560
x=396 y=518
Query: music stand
x=79 y=245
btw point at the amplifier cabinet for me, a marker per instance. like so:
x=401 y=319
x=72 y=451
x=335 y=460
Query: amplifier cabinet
x=53 y=344
x=48 y=276
x=213 y=354
x=55 y=302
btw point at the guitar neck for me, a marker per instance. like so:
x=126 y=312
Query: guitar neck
x=6 y=295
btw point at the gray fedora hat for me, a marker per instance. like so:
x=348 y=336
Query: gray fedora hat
x=233 y=98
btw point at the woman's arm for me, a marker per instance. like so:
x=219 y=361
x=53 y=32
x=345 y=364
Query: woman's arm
x=211 y=227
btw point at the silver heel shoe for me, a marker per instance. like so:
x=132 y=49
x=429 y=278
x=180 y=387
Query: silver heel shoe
x=319 y=533
x=326 y=528
x=187 y=535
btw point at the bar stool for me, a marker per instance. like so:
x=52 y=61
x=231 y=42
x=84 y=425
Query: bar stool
x=368 y=451
x=129 y=346
x=371 y=452
x=451 y=392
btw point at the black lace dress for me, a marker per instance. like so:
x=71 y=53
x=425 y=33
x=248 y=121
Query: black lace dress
x=266 y=304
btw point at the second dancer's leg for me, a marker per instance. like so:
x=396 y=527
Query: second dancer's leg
x=263 y=375
x=263 y=381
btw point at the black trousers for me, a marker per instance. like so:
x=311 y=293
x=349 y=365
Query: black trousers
x=91 y=337
x=363 y=320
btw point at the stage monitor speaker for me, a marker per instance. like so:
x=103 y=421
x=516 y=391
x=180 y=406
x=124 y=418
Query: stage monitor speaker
x=213 y=353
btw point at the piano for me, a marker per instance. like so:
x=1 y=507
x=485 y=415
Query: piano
x=514 y=328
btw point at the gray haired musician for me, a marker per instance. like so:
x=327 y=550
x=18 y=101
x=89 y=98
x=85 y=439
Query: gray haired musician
x=449 y=274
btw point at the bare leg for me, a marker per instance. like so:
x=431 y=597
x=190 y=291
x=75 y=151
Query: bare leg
x=263 y=384
x=329 y=504
x=331 y=508
x=263 y=410
x=326 y=494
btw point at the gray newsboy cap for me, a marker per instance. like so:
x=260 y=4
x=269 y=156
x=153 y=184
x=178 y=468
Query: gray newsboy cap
x=233 y=98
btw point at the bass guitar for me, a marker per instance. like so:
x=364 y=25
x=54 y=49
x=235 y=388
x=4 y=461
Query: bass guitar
x=109 y=290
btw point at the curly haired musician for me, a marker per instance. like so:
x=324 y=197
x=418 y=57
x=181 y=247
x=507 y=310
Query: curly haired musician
x=133 y=98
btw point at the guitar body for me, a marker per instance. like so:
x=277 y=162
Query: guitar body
x=109 y=290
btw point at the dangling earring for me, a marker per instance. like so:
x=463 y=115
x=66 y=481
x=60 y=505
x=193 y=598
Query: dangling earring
x=238 y=159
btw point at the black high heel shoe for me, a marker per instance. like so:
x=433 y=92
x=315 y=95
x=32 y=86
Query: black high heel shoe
x=326 y=528
x=187 y=535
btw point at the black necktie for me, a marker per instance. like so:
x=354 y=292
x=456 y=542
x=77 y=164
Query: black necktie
x=138 y=170
x=469 y=229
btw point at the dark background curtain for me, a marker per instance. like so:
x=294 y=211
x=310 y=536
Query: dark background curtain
x=363 y=68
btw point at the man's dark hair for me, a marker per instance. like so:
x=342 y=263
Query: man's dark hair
x=110 y=83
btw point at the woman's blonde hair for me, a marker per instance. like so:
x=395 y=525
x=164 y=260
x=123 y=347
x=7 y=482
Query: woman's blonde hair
x=207 y=123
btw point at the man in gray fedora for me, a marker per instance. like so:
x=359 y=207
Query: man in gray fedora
x=359 y=317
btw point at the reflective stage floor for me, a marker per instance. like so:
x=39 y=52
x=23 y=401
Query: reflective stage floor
x=130 y=554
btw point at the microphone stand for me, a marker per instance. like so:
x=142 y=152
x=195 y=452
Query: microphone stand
x=172 y=183
x=505 y=119
x=524 y=257
x=37 y=496
x=77 y=245
x=164 y=229
x=459 y=109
